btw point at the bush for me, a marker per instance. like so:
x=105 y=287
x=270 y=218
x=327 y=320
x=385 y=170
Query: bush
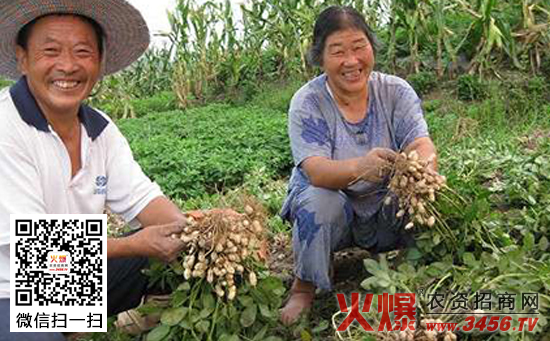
x=537 y=86
x=276 y=96
x=161 y=102
x=120 y=105
x=522 y=94
x=470 y=87
x=544 y=70
x=4 y=83
x=208 y=149
x=422 y=82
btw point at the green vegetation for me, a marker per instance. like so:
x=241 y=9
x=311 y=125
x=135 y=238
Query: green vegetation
x=196 y=314
x=494 y=152
x=206 y=119
x=470 y=88
x=208 y=149
x=4 y=83
x=422 y=82
x=216 y=56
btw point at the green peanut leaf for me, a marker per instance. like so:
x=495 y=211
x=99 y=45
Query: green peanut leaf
x=173 y=316
x=159 y=333
x=203 y=326
x=248 y=317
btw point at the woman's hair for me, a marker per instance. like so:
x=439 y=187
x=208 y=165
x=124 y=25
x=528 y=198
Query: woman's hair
x=25 y=32
x=333 y=19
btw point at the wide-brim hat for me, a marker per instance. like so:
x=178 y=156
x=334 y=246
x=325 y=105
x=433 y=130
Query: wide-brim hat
x=126 y=35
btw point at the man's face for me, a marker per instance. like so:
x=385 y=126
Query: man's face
x=61 y=62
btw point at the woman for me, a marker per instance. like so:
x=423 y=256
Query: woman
x=344 y=125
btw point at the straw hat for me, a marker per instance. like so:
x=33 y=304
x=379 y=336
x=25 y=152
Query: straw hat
x=126 y=33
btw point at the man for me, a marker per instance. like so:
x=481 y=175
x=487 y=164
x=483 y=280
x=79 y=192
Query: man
x=55 y=151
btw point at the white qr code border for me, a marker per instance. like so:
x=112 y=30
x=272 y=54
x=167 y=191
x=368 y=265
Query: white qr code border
x=28 y=316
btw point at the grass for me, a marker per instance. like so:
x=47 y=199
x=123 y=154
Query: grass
x=494 y=152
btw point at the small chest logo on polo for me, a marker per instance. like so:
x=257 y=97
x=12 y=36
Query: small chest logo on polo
x=100 y=185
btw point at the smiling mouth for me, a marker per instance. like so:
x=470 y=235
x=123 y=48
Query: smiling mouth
x=352 y=75
x=66 y=85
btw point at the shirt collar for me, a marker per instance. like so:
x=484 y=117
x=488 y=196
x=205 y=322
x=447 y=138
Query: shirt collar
x=30 y=112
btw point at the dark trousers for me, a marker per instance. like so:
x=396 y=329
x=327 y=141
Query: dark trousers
x=126 y=284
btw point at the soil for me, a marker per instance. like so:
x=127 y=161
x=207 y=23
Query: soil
x=348 y=264
x=348 y=272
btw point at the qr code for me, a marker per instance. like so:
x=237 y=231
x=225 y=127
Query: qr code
x=57 y=268
x=76 y=278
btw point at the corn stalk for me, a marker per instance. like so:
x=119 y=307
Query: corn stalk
x=410 y=14
x=489 y=33
x=534 y=35
x=180 y=41
x=443 y=33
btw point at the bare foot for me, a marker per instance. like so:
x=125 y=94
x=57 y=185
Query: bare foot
x=301 y=298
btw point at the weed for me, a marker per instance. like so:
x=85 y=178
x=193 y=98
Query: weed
x=422 y=82
x=470 y=87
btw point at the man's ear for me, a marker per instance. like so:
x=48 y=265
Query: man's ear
x=22 y=59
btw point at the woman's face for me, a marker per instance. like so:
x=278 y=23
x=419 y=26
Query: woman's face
x=348 y=60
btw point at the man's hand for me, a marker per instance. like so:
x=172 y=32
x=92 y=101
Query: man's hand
x=375 y=165
x=157 y=241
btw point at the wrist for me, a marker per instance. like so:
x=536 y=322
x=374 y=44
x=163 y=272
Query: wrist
x=357 y=168
x=121 y=247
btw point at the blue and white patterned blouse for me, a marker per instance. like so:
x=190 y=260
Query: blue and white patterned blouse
x=317 y=128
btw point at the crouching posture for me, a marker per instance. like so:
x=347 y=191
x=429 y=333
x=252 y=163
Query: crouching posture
x=55 y=150
x=344 y=125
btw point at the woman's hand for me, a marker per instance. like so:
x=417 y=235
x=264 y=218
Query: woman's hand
x=426 y=151
x=375 y=165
